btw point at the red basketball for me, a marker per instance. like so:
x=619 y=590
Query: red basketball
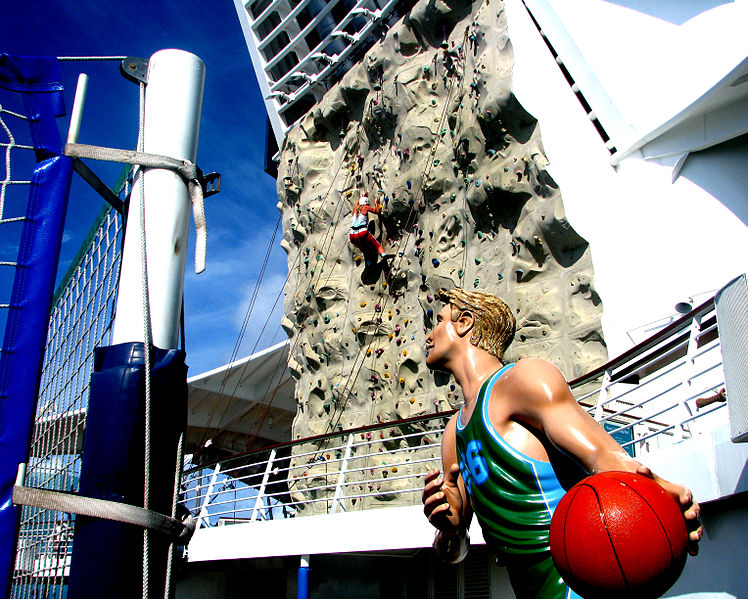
x=617 y=534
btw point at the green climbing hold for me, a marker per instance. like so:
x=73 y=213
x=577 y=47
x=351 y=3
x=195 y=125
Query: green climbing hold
x=478 y=260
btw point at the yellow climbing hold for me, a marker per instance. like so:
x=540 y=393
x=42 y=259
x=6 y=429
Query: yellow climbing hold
x=363 y=304
x=412 y=400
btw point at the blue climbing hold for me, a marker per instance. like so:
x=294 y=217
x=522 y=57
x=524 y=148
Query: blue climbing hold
x=435 y=262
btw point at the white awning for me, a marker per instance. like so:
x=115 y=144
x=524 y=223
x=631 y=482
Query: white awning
x=243 y=405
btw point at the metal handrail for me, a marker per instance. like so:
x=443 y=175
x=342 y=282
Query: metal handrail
x=315 y=483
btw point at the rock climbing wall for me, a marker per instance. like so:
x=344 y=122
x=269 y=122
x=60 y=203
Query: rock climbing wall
x=426 y=122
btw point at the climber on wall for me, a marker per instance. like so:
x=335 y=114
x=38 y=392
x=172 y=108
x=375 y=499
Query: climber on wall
x=360 y=236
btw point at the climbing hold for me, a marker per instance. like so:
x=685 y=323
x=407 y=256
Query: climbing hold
x=501 y=276
x=412 y=400
x=477 y=183
x=402 y=381
x=363 y=304
x=478 y=260
x=409 y=184
x=460 y=273
x=476 y=282
x=435 y=262
x=519 y=272
x=429 y=298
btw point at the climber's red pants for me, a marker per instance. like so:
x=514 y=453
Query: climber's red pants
x=366 y=242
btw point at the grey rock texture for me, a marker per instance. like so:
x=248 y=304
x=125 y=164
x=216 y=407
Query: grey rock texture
x=427 y=122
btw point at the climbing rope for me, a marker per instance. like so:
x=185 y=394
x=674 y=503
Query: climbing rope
x=147 y=349
x=325 y=252
x=358 y=365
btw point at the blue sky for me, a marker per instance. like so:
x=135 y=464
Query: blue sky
x=232 y=137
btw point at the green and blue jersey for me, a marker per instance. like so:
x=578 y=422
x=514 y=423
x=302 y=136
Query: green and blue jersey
x=512 y=495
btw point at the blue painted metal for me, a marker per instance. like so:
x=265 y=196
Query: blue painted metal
x=302 y=583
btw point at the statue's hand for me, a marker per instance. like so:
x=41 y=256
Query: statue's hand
x=442 y=501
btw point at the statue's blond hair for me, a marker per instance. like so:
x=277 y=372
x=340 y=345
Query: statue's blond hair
x=494 y=322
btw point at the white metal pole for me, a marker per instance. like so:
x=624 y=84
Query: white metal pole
x=173 y=101
x=263 y=485
x=337 y=501
x=76 y=115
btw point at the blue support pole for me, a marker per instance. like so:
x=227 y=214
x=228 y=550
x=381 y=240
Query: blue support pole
x=302 y=579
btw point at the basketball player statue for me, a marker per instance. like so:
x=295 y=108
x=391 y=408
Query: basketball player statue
x=519 y=441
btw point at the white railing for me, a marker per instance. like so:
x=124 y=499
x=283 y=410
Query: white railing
x=377 y=466
x=663 y=391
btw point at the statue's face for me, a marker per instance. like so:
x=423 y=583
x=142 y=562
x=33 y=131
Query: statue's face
x=442 y=340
